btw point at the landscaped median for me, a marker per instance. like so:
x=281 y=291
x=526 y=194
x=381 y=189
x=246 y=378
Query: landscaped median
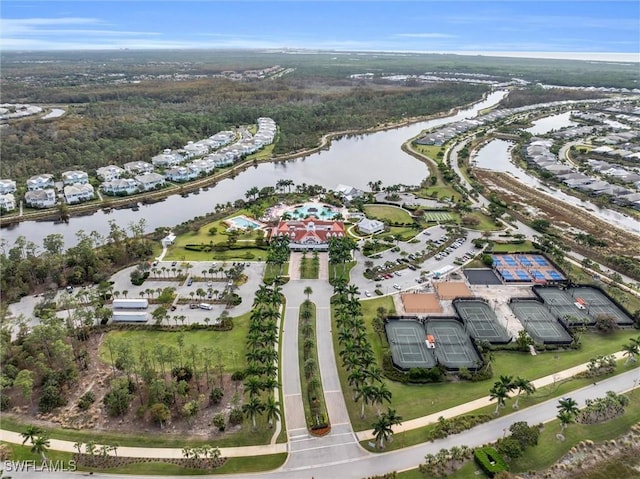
x=310 y=382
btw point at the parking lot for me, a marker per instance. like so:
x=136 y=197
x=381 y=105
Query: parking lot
x=419 y=253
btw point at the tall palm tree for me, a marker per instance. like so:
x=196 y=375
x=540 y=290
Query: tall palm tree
x=565 y=419
x=253 y=385
x=631 y=350
x=30 y=433
x=308 y=291
x=272 y=408
x=568 y=405
x=39 y=445
x=500 y=394
x=523 y=386
x=252 y=409
x=382 y=430
x=379 y=394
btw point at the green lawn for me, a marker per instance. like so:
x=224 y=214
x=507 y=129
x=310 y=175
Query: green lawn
x=439 y=192
x=431 y=151
x=404 y=233
x=525 y=247
x=309 y=268
x=388 y=213
x=229 y=343
x=485 y=223
x=413 y=401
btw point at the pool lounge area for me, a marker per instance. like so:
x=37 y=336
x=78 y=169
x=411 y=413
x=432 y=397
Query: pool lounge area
x=242 y=222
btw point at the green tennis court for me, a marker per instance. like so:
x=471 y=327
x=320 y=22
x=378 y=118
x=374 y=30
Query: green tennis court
x=539 y=322
x=408 y=345
x=453 y=346
x=481 y=321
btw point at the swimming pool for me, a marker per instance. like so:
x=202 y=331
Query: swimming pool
x=243 y=222
x=318 y=210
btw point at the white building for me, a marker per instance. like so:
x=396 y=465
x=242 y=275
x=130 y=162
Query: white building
x=138 y=167
x=7 y=186
x=40 y=182
x=109 y=173
x=205 y=165
x=40 y=198
x=167 y=159
x=181 y=174
x=78 y=193
x=150 y=181
x=370 y=227
x=125 y=186
x=7 y=202
x=75 y=177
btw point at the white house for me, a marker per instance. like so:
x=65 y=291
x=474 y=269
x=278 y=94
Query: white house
x=109 y=173
x=348 y=193
x=125 y=186
x=78 y=193
x=220 y=160
x=138 y=167
x=181 y=174
x=192 y=149
x=167 y=159
x=370 y=227
x=40 y=198
x=204 y=165
x=7 y=186
x=7 y=202
x=150 y=181
x=75 y=177
x=40 y=182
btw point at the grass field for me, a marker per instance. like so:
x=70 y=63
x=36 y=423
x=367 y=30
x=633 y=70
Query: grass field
x=230 y=343
x=432 y=151
x=439 y=192
x=388 y=213
x=525 y=247
x=309 y=268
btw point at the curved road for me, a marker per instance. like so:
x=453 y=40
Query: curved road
x=344 y=463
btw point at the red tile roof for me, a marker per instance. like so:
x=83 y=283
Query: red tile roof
x=309 y=230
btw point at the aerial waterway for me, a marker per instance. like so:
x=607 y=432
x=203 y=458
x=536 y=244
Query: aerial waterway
x=353 y=160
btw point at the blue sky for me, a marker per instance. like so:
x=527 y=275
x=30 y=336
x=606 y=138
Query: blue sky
x=586 y=27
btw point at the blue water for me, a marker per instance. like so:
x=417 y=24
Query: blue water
x=318 y=210
x=242 y=222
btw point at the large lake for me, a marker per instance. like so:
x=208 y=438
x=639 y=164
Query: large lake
x=353 y=160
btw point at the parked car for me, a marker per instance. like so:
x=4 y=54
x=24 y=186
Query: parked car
x=193 y=306
x=367 y=294
x=173 y=307
x=189 y=281
x=396 y=286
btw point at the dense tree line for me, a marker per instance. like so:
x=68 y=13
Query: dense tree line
x=116 y=125
x=25 y=268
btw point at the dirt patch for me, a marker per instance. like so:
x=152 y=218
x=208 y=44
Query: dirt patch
x=421 y=303
x=452 y=289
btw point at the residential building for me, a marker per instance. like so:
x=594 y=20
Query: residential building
x=150 y=181
x=7 y=202
x=109 y=173
x=75 y=177
x=181 y=174
x=348 y=193
x=120 y=187
x=78 y=193
x=40 y=182
x=167 y=159
x=45 y=198
x=370 y=227
x=138 y=167
x=310 y=233
x=7 y=186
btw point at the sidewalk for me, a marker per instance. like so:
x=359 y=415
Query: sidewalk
x=478 y=403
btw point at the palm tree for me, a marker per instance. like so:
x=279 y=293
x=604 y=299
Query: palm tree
x=39 y=445
x=78 y=445
x=379 y=394
x=631 y=350
x=568 y=405
x=308 y=291
x=252 y=409
x=30 y=433
x=253 y=385
x=522 y=385
x=565 y=419
x=272 y=408
x=382 y=430
x=499 y=393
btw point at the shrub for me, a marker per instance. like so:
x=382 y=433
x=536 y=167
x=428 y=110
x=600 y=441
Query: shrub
x=235 y=416
x=490 y=461
x=215 y=396
x=86 y=400
x=182 y=373
x=220 y=422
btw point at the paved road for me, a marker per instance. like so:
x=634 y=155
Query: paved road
x=331 y=463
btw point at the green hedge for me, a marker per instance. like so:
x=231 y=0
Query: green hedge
x=490 y=461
